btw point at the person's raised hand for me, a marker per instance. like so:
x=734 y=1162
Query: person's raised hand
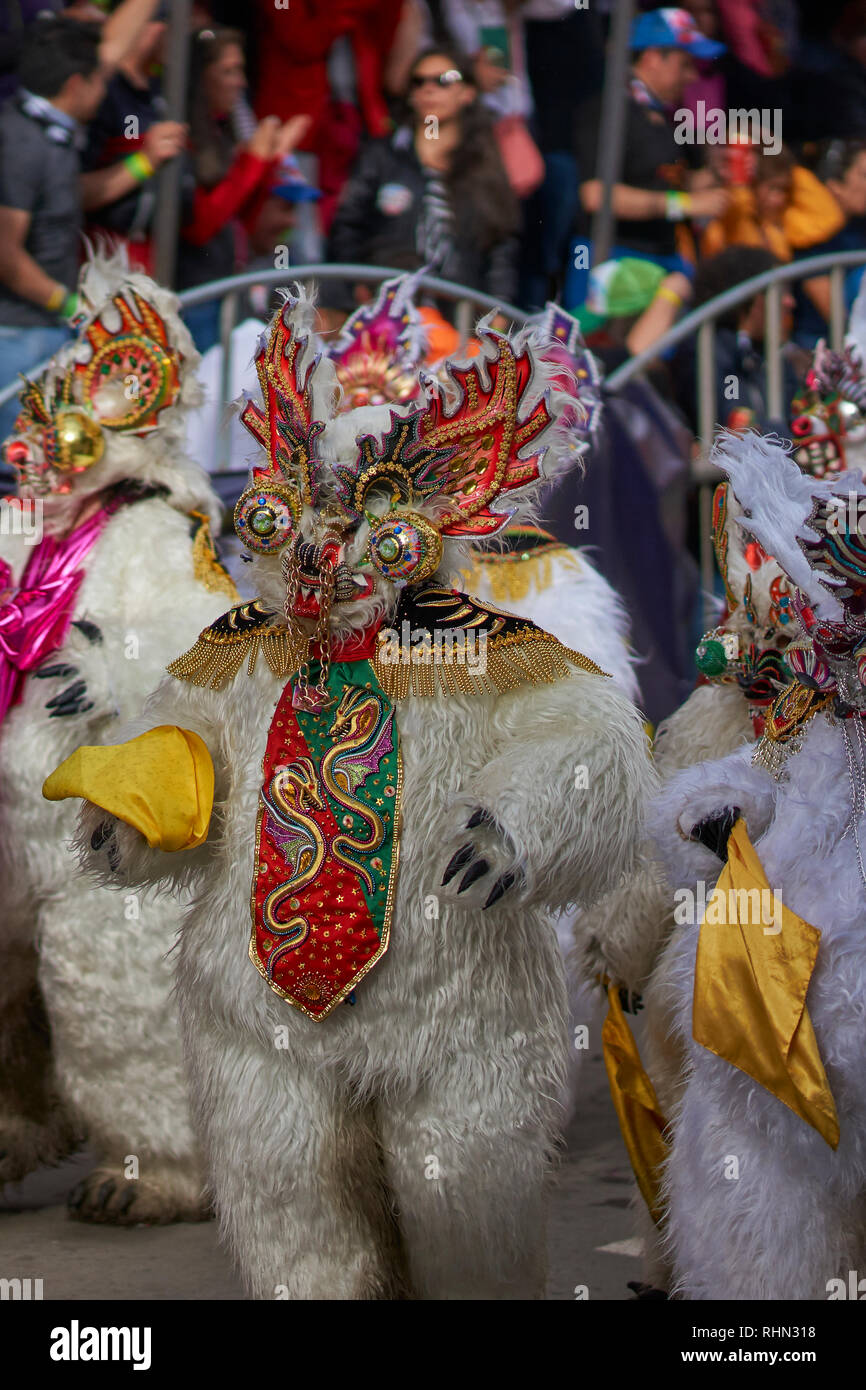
x=164 y=140
x=710 y=202
x=290 y=135
x=487 y=74
x=264 y=138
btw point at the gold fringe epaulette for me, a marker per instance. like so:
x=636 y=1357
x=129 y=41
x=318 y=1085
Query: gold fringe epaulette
x=785 y=723
x=465 y=648
x=530 y=658
x=445 y=642
x=244 y=631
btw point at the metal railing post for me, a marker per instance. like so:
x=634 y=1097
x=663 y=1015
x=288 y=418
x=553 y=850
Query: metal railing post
x=706 y=404
x=611 y=128
x=464 y=319
x=773 y=349
x=166 y=222
x=228 y=319
x=837 y=308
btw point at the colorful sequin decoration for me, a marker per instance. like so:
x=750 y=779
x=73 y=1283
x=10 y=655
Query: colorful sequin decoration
x=267 y=517
x=405 y=548
x=327 y=842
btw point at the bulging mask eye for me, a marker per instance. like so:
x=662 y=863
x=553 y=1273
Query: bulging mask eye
x=74 y=442
x=405 y=548
x=267 y=517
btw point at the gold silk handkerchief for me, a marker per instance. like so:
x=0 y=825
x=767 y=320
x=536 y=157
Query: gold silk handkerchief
x=635 y=1102
x=161 y=783
x=750 y=989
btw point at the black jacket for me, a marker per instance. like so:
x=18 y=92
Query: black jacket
x=377 y=217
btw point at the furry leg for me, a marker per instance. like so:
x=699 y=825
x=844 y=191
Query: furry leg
x=34 y=1126
x=296 y=1174
x=754 y=1212
x=117 y=1053
x=466 y=1161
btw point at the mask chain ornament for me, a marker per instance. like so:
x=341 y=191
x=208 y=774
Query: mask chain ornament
x=319 y=697
x=858 y=782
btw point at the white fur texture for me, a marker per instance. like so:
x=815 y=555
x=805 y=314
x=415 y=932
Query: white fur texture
x=319 y=1152
x=794 y=1218
x=102 y=957
x=631 y=937
x=581 y=609
x=578 y=606
x=102 y=965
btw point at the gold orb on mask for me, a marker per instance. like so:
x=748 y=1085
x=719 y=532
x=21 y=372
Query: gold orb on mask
x=78 y=441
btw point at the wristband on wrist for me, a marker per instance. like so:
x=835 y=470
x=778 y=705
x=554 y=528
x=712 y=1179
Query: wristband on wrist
x=677 y=205
x=665 y=292
x=54 y=302
x=139 y=166
x=69 y=307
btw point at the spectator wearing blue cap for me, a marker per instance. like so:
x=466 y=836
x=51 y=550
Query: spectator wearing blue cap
x=654 y=202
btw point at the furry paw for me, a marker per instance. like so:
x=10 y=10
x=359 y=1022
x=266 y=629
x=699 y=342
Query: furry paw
x=72 y=700
x=166 y=1192
x=27 y=1144
x=481 y=870
x=713 y=831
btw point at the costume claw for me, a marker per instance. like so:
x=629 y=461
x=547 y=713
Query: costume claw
x=457 y=862
x=500 y=888
x=58 y=669
x=479 y=817
x=88 y=629
x=102 y=833
x=76 y=1196
x=126 y=1200
x=102 y=1196
x=473 y=873
x=68 y=696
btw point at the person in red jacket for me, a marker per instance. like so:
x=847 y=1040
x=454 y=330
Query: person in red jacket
x=233 y=177
x=293 y=47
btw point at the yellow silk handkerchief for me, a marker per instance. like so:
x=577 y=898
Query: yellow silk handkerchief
x=750 y=989
x=161 y=783
x=635 y=1102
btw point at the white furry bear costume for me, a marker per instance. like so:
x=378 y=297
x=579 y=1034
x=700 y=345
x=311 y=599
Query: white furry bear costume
x=98 y=451
x=626 y=934
x=631 y=936
x=390 y=1133
x=792 y=1223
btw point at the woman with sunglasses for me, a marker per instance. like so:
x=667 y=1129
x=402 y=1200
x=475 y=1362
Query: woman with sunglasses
x=435 y=193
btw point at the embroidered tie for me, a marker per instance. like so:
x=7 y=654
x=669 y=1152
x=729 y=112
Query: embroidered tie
x=327 y=841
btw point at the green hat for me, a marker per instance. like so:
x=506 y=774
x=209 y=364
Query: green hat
x=618 y=289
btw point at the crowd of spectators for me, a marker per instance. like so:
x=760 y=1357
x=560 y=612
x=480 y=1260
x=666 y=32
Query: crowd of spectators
x=462 y=135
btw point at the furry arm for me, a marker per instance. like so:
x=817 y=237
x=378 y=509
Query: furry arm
x=567 y=788
x=701 y=792
x=623 y=935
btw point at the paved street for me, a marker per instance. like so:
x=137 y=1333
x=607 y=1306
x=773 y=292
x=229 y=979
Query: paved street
x=590 y=1218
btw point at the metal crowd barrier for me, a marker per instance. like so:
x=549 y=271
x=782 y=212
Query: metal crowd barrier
x=702 y=322
x=469 y=303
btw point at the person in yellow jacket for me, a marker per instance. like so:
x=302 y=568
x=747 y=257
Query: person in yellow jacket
x=784 y=208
